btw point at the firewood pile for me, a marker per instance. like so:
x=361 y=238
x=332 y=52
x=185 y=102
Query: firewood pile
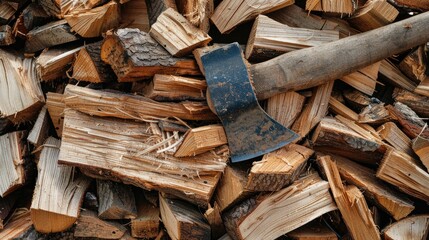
x=113 y=124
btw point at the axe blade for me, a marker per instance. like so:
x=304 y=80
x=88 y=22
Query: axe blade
x=250 y=131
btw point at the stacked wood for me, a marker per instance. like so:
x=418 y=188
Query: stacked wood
x=375 y=114
x=374 y=14
x=365 y=79
x=313 y=231
x=390 y=133
x=53 y=63
x=214 y=219
x=418 y=103
x=392 y=74
x=410 y=122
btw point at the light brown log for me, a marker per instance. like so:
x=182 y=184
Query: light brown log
x=365 y=79
x=40 y=131
x=116 y=201
x=390 y=133
x=346 y=7
x=156 y=7
x=214 y=218
x=415 y=227
x=411 y=123
x=89 y=225
x=374 y=14
x=393 y=75
x=146 y=224
x=19 y=223
x=414 y=65
x=285 y=107
x=135 y=14
x=418 y=103
x=421 y=148
x=56 y=106
x=134 y=55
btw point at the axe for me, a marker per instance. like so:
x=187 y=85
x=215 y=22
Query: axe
x=232 y=85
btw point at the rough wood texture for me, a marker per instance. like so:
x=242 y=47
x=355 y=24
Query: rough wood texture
x=272 y=215
x=230 y=13
x=74 y=6
x=269 y=39
x=58 y=193
x=364 y=80
x=419 y=4
x=364 y=130
x=134 y=14
x=134 y=55
x=200 y=140
x=13 y=149
x=6 y=208
x=375 y=114
x=156 y=7
x=56 y=106
x=127 y=106
x=374 y=14
x=356 y=99
x=350 y=202
x=51 y=34
x=346 y=7
x=415 y=227
x=313 y=231
x=40 y=131
x=421 y=148
x=6 y=12
x=116 y=200
x=423 y=88
x=6 y=36
x=339 y=108
x=418 y=103
x=393 y=75
x=32 y=16
x=94 y=22
x=411 y=123
x=197 y=12
x=51 y=7
x=137 y=150
x=214 y=219
x=285 y=107
x=146 y=224
x=183 y=221
x=390 y=133
x=176 y=34
x=18 y=224
x=89 y=225
x=278 y=169
x=404 y=172
x=414 y=65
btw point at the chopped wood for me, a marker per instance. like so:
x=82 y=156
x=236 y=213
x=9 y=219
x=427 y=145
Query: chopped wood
x=51 y=34
x=313 y=231
x=415 y=227
x=135 y=14
x=146 y=224
x=40 y=131
x=192 y=178
x=421 y=148
x=89 y=67
x=418 y=103
x=116 y=201
x=127 y=51
x=336 y=6
x=285 y=107
x=364 y=130
x=279 y=168
x=214 y=219
x=197 y=12
x=418 y=4
x=271 y=215
x=56 y=106
x=183 y=220
x=127 y=106
x=156 y=7
x=404 y=172
x=414 y=65
x=32 y=16
x=21 y=96
x=6 y=208
x=230 y=13
x=350 y=201
x=13 y=151
x=315 y=110
x=356 y=99
x=375 y=113
x=423 y=88
x=51 y=7
x=390 y=133
x=200 y=140
x=74 y=6
x=19 y=223
x=364 y=80
x=94 y=22
x=58 y=193
x=374 y=14
x=89 y=225
x=269 y=39
x=393 y=75
x=339 y=108
x=411 y=123
x=6 y=36
x=6 y=12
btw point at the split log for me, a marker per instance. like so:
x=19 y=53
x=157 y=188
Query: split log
x=58 y=210
x=40 y=131
x=73 y=6
x=415 y=227
x=32 y=16
x=411 y=123
x=423 y=88
x=6 y=36
x=127 y=106
x=340 y=109
x=127 y=51
x=89 y=67
x=19 y=223
x=51 y=34
x=272 y=215
x=200 y=140
x=285 y=107
x=421 y=148
x=214 y=219
x=146 y=224
x=418 y=103
x=7 y=13
x=230 y=13
x=374 y=14
x=356 y=99
x=13 y=151
x=390 y=133
x=364 y=80
x=350 y=202
x=94 y=22
x=364 y=130
x=197 y=12
x=6 y=208
x=418 y=4
x=182 y=220
x=392 y=74
x=313 y=231
x=375 y=113
x=405 y=173
x=89 y=225
x=56 y=106
x=51 y=7
x=21 y=96
x=156 y=7
x=278 y=169
x=346 y=7
x=176 y=34
x=414 y=65
x=192 y=178
x=135 y=14
x=116 y=201
x=269 y=39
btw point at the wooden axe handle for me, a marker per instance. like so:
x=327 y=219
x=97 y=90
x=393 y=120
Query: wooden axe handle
x=313 y=66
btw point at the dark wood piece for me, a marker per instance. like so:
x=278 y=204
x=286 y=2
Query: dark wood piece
x=116 y=201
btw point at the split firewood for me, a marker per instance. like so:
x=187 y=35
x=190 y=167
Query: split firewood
x=230 y=13
x=415 y=227
x=21 y=96
x=40 y=131
x=421 y=148
x=127 y=51
x=269 y=39
x=135 y=14
x=405 y=173
x=334 y=137
x=364 y=80
x=51 y=7
x=315 y=110
x=418 y=4
x=285 y=107
x=356 y=99
x=200 y=140
x=176 y=34
x=374 y=14
x=172 y=126
x=156 y=7
x=146 y=224
x=375 y=113
x=94 y=22
x=58 y=192
x=32 y=16
x=414 y=65
x=197 y=12
x=13 y=151
x=271 y=215
x=411 y=123
x=6 y=208
x=364 y=130
x=385 y=197
x=51 y=34
x=350 y=202
x=278 y=169
x=192 y=178
x=423 y=88
x=56 y=106
x=89 y=67
x=418 y=103
x=313 y=231
x=214 y=218
x=116 y=201
x=340 y=109
x=346 y=7
x=7 y=12
x=392 y=74
x=6 y=36
x=53 y=63
x=127 y=106
x=182 y=220
x=172 y=88
x=19 y=223
x=390 y=133
x=89 y=225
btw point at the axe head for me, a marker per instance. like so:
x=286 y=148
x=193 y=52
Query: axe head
x=250 y=131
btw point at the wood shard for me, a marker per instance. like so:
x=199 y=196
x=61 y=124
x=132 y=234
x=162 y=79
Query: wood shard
x=19 y=223
x=336 y=6
x=364 y=80
x=56 y=106
x=374 y=14
x=89 y=225
x=40 y=131
x=116 y=201
x=421 y=148
x=146 y=224
x=415 y=227
x=285 y=107
x=390 y=133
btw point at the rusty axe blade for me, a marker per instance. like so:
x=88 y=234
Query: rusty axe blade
x=250 y=131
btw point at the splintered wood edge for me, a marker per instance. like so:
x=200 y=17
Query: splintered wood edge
x=84 y=68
